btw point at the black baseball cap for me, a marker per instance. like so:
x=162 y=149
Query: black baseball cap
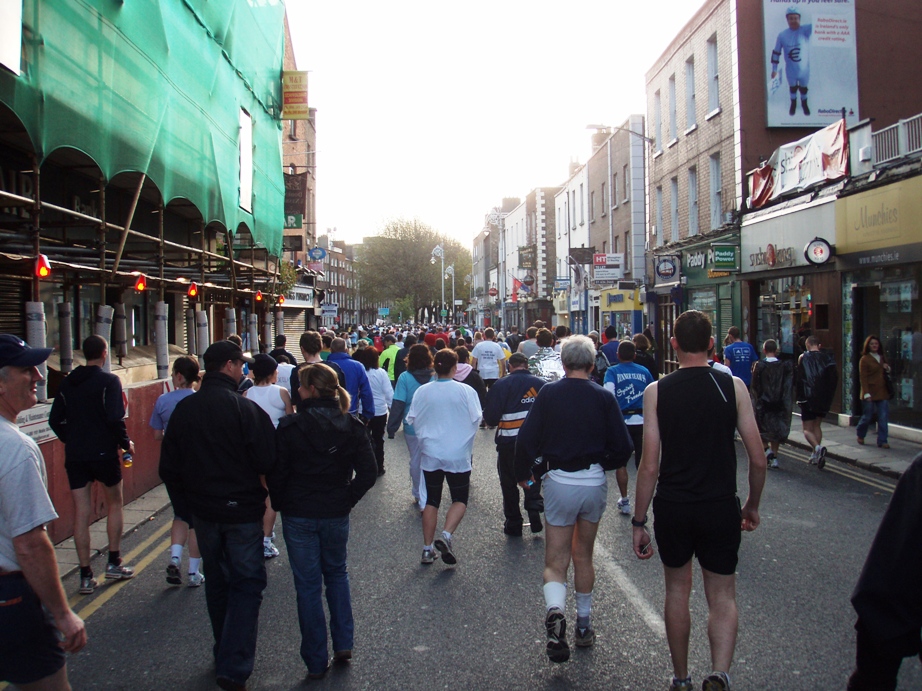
x=264 y=366
x=17 y=353
x=222 y=351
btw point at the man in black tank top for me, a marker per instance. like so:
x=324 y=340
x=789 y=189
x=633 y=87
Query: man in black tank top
x=692 y=415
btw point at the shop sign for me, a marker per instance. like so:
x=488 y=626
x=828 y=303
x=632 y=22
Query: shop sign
x=317 y=253
x=34 y=423
x=528 y=257
x=725 y=257
x=666 y=268
x=773 y=257
x=561 y=284
x=329 y=309
x=294 y=95
x=718 y=274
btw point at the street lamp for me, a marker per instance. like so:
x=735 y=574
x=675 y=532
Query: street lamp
x=451 y=271
x=439 y=252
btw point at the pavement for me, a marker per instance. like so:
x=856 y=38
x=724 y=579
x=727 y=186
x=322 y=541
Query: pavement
x=841 y=443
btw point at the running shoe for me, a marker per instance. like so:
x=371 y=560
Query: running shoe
x=429 y=556
x=624 y=506
x=556 y=625
x=772 y=460
x=716 y=681
x=195 y=580
x=270 y=551
x=813 y=457
x=342 y=655
x=821 y=458
x=681 y=684
x=443 y=545
x=118 y=572
x=172 y=574
x=87 y=585
x=584 y=638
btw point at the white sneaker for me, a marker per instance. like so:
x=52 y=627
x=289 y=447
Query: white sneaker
x=270 y=551
x=624 y=506
x=195 y=580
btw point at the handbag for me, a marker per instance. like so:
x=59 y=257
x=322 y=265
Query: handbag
x=891 y=390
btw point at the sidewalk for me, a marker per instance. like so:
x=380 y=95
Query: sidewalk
x=841 y=443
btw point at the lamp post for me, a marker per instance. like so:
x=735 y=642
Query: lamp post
x=451 y=271
x=439 y=252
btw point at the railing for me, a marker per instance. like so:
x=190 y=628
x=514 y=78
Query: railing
x=901 y=139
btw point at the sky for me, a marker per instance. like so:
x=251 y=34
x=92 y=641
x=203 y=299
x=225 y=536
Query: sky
x=437 y=111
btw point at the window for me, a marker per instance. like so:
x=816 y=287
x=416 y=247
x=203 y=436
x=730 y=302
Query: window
x=713 y=83
x=245 y=144
x=673 y=127
x=582 y=205
x=659 y=215
x=603 y=199
x=690 y=117
x=293 y=129
x=559 y=224
x=627 y=251
x=716 y=206
x=592 y=205
x=614 y=190
x=614 y=248
x=693 y=201
x=627 y=182
x=657 y=121
x=573 y=209
x=674 y=207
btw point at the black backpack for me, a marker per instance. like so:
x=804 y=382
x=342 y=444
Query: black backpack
x=601 y=366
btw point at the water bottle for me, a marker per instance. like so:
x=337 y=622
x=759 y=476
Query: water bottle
x=127 y=459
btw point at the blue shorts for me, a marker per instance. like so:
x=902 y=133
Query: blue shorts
x=30 y=647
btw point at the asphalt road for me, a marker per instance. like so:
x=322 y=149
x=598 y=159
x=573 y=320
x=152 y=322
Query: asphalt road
x=479 y=625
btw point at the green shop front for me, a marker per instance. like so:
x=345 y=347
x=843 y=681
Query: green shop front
x=710 y=270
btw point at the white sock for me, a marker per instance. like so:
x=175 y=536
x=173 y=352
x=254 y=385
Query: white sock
x=818 y=447
x=583 y=605
x=194 y=564
x=176 y=552
x=267 y=540
x=429 y=547
x=555 y=595
x=446 y=535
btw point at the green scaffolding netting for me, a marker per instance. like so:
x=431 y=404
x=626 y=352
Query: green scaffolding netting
x=157 y=87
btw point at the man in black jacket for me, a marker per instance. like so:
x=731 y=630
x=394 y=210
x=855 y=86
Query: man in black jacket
x=88 y=415
x=215 y=449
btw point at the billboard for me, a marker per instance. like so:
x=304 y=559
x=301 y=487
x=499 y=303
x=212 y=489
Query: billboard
x=811 y=65
x=294 y=96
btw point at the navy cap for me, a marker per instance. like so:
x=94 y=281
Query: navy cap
x=16 y=352
x=220 y=352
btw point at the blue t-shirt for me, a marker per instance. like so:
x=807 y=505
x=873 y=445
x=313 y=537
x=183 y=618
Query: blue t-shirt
x=407 y=385
x=627 y=380
x=165 y=406
x=739 y=357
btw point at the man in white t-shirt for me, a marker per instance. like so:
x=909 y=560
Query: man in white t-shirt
x=37 y=626
x=489 y=358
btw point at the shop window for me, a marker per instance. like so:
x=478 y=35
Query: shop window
x=821 y=317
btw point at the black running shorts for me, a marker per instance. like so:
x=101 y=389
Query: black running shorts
x=459 y=485
x=29 y=642
x=710 y=531
x=806 y=414
x=81 y=473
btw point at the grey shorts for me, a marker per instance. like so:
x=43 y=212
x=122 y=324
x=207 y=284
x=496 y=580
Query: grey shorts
x=564 y=504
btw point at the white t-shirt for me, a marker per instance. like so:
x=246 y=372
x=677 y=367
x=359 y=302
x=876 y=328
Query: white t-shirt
x=24 y=500
x=445 y=416
x=269 y=398
x=381 y=390
x=488 y=354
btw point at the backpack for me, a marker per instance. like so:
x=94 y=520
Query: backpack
x=772 y=380
x=601 y=366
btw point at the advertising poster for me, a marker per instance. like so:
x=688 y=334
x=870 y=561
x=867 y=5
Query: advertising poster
x=11 y=34
x=811 y=65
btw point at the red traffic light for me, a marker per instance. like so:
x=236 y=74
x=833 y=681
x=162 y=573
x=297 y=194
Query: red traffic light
x=42 y=266
x=193 y=290
x=259 y=296
x=281 y=300
x=141 y=284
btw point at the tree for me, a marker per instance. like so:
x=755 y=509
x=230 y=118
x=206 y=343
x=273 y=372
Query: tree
x=396 y=264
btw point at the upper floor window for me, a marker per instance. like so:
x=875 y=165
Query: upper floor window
x=716 y=201
x=690 y=115
x=658 y=121
x=627 y=182
x=692 y=201
x=713 y=79
x=674 y=207
x=673 y=126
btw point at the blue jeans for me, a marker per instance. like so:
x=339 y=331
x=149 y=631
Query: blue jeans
x=235 y=577
x=882 y=408
x=317 y=554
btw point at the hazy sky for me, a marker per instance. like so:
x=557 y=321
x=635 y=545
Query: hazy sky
x=437 y=111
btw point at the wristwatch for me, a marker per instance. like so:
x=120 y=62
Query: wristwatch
x=639 y=524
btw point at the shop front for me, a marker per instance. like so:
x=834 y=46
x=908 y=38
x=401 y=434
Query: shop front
x=709 y=270
x=879 y=251
x=791 y=297
x=623 y=310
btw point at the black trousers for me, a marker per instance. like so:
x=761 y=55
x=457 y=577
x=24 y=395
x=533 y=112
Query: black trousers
x=877 y=663
x=534 y=502
x=636 y=432
x=376 y=427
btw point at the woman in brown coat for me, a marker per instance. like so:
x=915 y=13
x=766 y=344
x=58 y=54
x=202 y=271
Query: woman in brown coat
x=875 y=399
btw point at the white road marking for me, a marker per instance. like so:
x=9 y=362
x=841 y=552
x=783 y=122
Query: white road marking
x=634 y=596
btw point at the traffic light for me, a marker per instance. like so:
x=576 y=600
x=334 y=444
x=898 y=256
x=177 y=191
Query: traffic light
x=141 y=284
x=259 y=296
x=281 y=300
x=42 y=266
x=193 y=290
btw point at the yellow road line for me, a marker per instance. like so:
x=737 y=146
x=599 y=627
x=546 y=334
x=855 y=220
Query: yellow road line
x=74 y=600
x=844 y=471
x=110 y=592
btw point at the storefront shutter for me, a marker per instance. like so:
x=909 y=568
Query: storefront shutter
x=13 y=297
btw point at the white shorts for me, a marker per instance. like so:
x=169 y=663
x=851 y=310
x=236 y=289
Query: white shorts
x=564 y=504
